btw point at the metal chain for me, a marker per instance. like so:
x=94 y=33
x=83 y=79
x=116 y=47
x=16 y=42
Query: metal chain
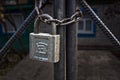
x=38 y=5
x=74 y=18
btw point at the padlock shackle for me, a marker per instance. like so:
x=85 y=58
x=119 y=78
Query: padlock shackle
x=37 y=23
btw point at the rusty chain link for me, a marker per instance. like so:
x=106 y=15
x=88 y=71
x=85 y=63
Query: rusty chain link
x=74 y=18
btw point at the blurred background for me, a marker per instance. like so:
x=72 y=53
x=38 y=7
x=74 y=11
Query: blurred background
x=98 y=59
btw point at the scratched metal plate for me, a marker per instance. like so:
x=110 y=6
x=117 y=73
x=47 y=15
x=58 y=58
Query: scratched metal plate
x=44 y=47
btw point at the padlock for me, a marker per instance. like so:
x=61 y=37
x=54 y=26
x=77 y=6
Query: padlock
x=44 y=46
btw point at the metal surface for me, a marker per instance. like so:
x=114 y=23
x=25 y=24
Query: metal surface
x=38 y=4
x=60 y=67
x=71 y=42
x=37 y=23
x=44 y=46
x=65 y=21
x=100 y=24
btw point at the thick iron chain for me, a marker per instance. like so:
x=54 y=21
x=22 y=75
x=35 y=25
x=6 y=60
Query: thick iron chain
x=74 y=18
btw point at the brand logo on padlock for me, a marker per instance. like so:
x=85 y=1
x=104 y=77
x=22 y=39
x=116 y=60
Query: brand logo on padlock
x=41 y=47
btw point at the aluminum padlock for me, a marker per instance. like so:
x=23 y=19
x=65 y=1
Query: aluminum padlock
x=44 y=46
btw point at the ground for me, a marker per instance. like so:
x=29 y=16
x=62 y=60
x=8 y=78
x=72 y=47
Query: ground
x=92 y=65
x=98 y=65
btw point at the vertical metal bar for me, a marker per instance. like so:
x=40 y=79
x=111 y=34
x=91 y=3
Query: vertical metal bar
x=71 y=43
x=60 y=67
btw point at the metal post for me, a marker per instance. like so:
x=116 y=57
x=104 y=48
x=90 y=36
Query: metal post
x=60 y=67
x=71 y=43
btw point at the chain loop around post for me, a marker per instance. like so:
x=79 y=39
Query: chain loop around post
x=66 y=21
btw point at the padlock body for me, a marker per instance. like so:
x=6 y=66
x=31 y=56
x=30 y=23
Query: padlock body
x=44 y=47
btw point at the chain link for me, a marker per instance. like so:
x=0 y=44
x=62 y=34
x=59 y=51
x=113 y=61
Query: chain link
x=66 y=21
x=38 y=5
